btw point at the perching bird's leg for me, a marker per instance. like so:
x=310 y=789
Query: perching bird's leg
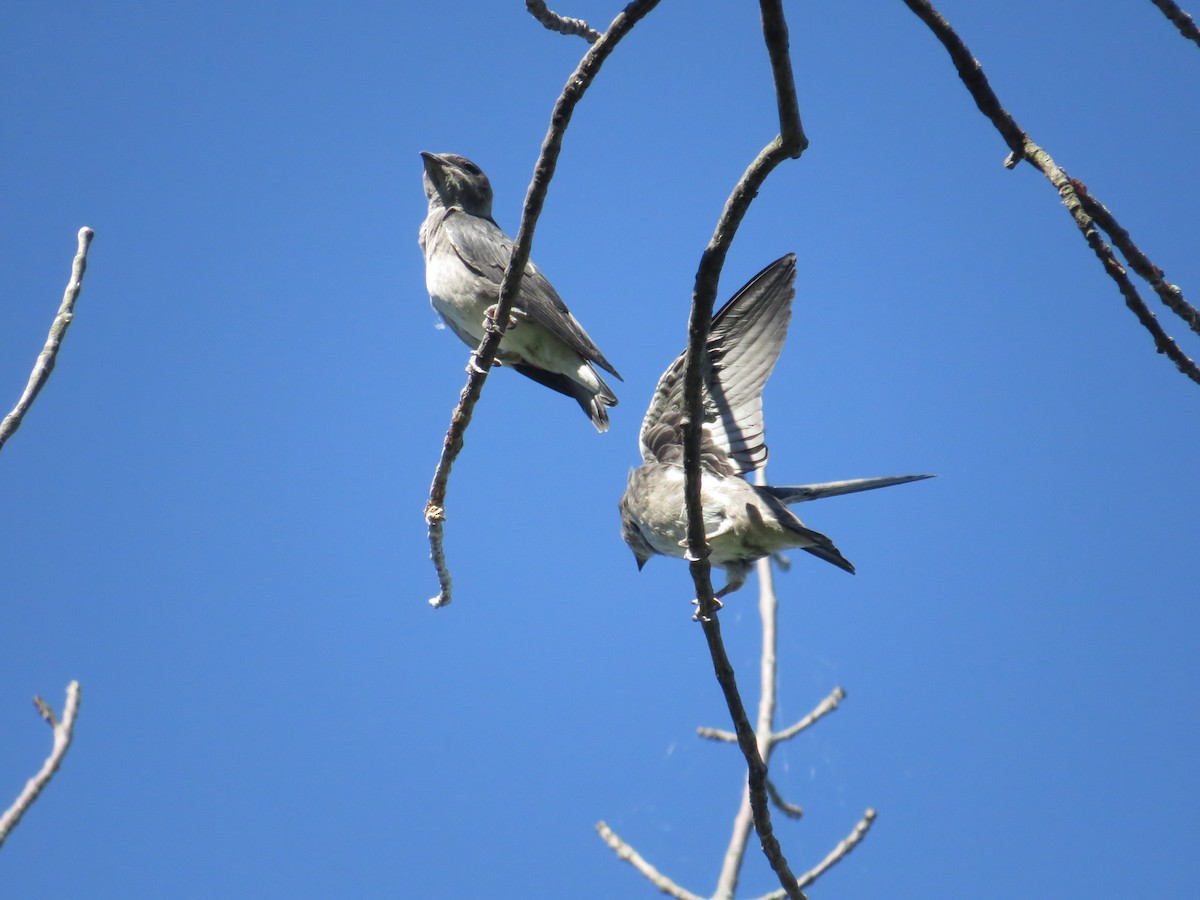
x=725 y=527
x=717 y=605
x=489 y=322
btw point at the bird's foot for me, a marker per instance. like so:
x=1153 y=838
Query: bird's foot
x=696 y=617
x=513 y=321
x=473 y=367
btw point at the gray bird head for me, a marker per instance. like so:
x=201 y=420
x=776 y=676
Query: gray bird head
x=452 y=180
x=642 y=550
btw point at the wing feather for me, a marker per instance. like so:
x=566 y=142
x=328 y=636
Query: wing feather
x=744 y=343
x=486 y=249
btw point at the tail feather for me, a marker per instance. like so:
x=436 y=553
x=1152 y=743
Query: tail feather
x=813 y=541
x=822 y=547
x=593 y=402
x=799 y=493
x=831 y=555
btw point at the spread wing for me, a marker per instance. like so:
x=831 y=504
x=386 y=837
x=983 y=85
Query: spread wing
x=486 y=250
x=744 y=343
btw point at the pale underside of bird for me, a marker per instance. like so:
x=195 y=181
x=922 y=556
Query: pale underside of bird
x=743 y=522
x=466 y=254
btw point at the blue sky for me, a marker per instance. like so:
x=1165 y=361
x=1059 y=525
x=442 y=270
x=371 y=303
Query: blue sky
x=212 y=516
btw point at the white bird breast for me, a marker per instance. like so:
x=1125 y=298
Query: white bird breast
x=666 y=532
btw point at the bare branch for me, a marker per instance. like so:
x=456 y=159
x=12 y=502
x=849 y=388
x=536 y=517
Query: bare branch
x=768 y=609
x=835 y=856
x=1170 y=294
x=1182 y=21
x=756 y=776
x=787 y=144
x=824 y=708
x=631 y=856
x=716 y=734
x=775 y=34
x=735 y=853
x=790 y=143
x=58 y=330
x=62 y=741
x=704 y=295
x=1087 y=226
x=485 y=354
x=1023 y=148
x=791 y=810
x=561 y=24
x=842 y=850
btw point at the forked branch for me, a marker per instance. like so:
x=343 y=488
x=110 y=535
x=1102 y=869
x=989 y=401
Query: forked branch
x=63 y=732
x=1083 y=211
x=836 y=855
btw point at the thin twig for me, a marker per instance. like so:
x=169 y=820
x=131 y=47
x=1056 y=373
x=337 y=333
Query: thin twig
x=1024 y=148
x=561 y=24
x=631 y=856
x=1186 y=25
x=852 y=840
x=716 y=734
x=58 y=330
x=775 y=35
x=787 y=145
x=824 y=708
x=485 y=354
x=62 y=741
x=840 y=852
x=791 y=810
x=1170 y=294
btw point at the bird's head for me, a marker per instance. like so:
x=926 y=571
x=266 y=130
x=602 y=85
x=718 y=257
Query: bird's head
x=642 y=551
x=452 y=180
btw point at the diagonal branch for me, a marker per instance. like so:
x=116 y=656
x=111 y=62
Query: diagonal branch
x=63 y=732
x=756 y=775
x=791 y=810
x=768 y=609
x=836 y=855
x=485 y=354
x=631 y=856
x=561 y=24
x=824 y=708
x=1023 y=148
x=58 y=330
x=1181 y=20
x=1170 y=294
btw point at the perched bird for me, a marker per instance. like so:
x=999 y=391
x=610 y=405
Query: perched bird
x=742 y=522
x=466 y=254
